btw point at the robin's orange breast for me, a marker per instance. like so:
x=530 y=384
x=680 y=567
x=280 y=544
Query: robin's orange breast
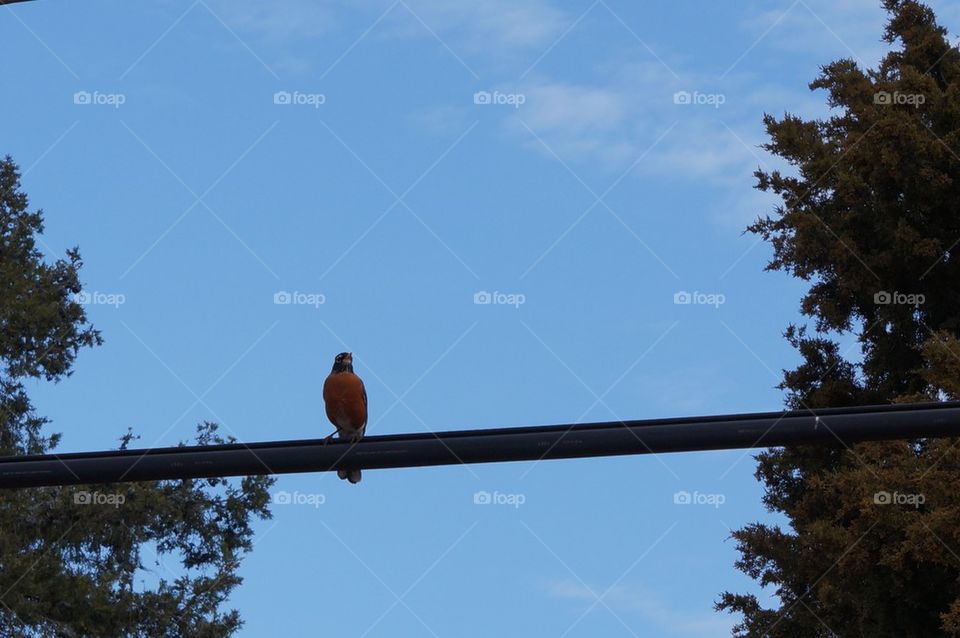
x=345 y=400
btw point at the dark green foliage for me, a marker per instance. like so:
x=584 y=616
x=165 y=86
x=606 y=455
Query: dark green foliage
x=872 y=206
x=72 y=569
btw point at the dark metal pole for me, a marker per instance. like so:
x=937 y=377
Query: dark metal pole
x=824 y=427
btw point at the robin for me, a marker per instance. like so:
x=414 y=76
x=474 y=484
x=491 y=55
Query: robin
x=345 y=400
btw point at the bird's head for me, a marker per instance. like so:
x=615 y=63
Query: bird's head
x=343 y=362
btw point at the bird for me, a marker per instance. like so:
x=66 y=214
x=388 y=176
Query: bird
x=345 y=401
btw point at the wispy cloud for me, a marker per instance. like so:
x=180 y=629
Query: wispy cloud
x=832 y=28
x=280 y=21
x=616 y=119
x=672 y=621
x=492 y=27
x=579 y=122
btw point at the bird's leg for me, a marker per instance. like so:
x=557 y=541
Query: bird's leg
x=330 y=438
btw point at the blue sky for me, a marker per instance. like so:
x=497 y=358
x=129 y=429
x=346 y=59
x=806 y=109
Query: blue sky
x=380 y=165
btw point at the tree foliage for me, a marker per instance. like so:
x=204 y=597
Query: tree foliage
x=870 y=217
x=70 y=568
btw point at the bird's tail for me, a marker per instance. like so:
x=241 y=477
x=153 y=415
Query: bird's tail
x=349 y=475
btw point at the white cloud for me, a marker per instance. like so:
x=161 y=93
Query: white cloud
x=570 y=589
x=622 y=599
x=576 y=108
x=444 y=121
x=706 y=149
x=575 y=121
x=687 y=389
x=828 y=29
x=617 y=120
x=624 y=108
x=493 y=26
x=279 y=21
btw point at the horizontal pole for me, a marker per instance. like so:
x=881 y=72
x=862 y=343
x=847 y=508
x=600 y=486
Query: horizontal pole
x=837 y=426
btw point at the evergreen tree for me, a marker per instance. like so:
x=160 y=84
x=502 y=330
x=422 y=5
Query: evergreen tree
x=69 y=569
x=870 y=216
